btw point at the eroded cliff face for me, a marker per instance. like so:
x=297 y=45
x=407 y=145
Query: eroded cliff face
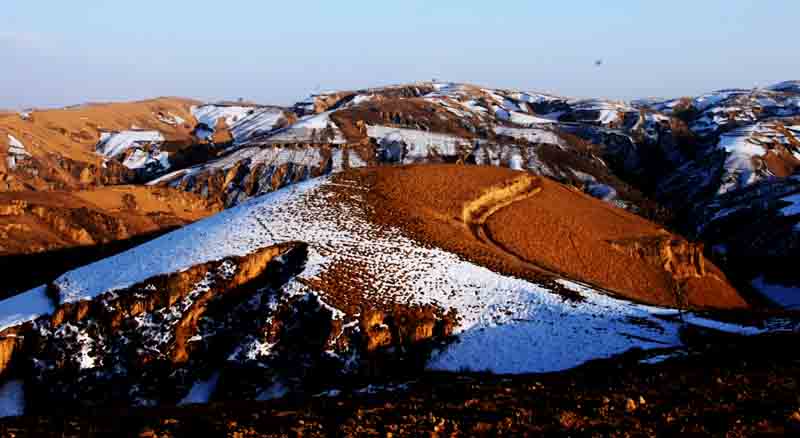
x=55 y=172
x=255 y=170
x=228 y=321
x=32 y=222
x=677 y=257
x=57 y=149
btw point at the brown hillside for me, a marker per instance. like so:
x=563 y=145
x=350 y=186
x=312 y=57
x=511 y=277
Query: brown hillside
x=44 y=234
x=42 y=221
x=535 y=228
x=62 y=141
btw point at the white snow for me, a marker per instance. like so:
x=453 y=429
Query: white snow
x=663 y=357
x=603 y=112
x=276 y=391
x=115 y=144
x=16 y=150
x=140 y=148
x=16 y=147
x=739 y=167
x=794 y=207
x=139 y=159
x=534 y=97
x=787 y=86
x=785 y=296
x=259 y=121
x=12 y=398
x=269 y=156
x=420 y=144
x=25 y=307
x=526 y=119
x=201 y=391
x=329 y=393
x=170 y=119
x=595 y=187
x=701 y=103
x=507 y=325
x=309 y=129
x=723 y=326
x=533 y=135
x=361 y=98
x=209 y=115
x=244 y=122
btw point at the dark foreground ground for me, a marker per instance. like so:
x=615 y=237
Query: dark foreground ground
x=725 y=386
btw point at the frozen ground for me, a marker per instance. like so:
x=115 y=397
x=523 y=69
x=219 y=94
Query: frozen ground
x=507 y=325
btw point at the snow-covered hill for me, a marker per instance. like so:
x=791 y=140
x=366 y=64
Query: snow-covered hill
x=203 y=310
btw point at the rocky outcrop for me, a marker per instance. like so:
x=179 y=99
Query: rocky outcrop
x=255 y=170
x=138 y=332
x=60 y=144
x=54 y=172
x=231 y=319
x=677 y=257
x=32 y=222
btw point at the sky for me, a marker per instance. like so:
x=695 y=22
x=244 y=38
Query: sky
x=66 y=52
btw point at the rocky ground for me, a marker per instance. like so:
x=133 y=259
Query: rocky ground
x=332 y=296
x=723 y=386
x=43 y=234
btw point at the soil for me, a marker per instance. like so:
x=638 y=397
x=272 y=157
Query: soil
x=47 y=227
x=542 y=230
x=734 y=387
x=62 y=141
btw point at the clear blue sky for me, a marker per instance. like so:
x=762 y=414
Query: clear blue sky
x=63 y=52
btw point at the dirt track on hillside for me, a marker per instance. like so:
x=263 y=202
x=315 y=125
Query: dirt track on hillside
x=534 y=228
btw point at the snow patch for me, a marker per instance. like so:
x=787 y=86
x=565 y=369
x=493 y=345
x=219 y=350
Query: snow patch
x=785 y=296
x=16 y=151
x=115 y=144
x=794 y=207
x=136 y=149
x=317 y=128
x=276 y=391
x=739 y=163
x=12 y=398
x=25 y=307
x=419 y=145
x=533 y=135
x=201 y=391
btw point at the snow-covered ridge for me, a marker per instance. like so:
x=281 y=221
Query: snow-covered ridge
x=115 y=144
x=533 y=135
x=270 y=156
x=316 y=129
x=244 y=122
x=210 y=114
x=747 y=143
x=25 y=307
x=602 y=112
x=137 y=149
x=418 y=144
x=787 y=87
x=507 y=325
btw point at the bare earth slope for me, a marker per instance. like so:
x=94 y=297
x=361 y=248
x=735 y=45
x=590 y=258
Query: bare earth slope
x=58 y=145
x=533 y=227
x=43 y=234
